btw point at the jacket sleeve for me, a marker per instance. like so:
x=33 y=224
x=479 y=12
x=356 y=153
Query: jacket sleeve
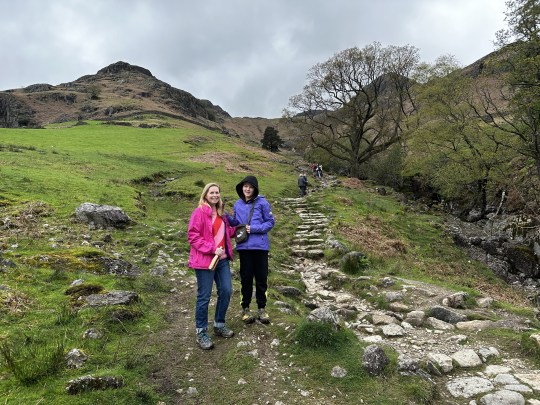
x=267 y=219
x=231 y=231
x=195 y=233
x=232 y=221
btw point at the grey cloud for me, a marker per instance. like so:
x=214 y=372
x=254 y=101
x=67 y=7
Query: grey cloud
x=247 y=56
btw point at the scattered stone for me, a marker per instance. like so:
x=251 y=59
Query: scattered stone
x=536 y=338
x=467 y=358
x=438 y=324
x=532 y=380
x=393 y=296
x=112 y=298
x=387 y=282
x=447 y=315
x=486 y=353
x=484 y=302
x=416 y=318
x=89 y=383
x=326 y=315
x=441 y=361
x=456 y=300
x=75 y=358
x=289 y=291
x=383 y=319
x=492 y=370
x=467 y=387
x=407 y=365
x=475 y=325
x=338 y=372
x=503 y=397
x=92 y=334
x=393 y=330
x=374 y=360
x=102 y=216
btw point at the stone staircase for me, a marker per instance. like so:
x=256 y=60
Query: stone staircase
x=434 y=341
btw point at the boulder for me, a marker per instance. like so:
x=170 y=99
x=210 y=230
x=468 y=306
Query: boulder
x=102 y=216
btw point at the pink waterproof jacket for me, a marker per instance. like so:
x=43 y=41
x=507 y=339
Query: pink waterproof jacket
x=201 y=239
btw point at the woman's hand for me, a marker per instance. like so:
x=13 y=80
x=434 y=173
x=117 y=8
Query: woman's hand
x=219 y=251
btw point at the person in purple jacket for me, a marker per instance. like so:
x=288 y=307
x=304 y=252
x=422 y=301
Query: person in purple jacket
x=209 y=236
x=254 y=251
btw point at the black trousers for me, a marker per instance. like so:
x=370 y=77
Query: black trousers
x=254 y=265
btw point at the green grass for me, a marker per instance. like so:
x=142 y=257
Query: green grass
x=320 y=349
x=46 y=174
x=156 y=175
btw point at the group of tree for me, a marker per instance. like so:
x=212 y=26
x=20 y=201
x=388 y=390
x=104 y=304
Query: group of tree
x=472 y=136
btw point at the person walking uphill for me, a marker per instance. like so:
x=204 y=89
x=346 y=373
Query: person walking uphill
x=302 y=184
x=209 y=236
x=253 y=210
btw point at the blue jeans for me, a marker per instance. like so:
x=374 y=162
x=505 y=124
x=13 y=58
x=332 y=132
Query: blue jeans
x=205 y=280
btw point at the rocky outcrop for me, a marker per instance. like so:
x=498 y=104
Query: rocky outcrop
x=106 y=95
x=14 y=113
x=120 y=66
x=504 y=245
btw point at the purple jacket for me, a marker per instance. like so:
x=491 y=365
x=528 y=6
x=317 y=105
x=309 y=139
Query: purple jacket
x=261 y=223
x=201 y=239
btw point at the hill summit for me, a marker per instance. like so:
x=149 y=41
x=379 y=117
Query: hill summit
x=117 y=91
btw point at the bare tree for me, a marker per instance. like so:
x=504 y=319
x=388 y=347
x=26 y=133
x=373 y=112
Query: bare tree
x=355 y=104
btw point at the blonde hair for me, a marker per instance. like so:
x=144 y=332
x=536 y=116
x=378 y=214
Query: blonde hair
x=203 y=201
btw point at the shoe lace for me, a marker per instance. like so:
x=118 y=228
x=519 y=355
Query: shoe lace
x=203 y=337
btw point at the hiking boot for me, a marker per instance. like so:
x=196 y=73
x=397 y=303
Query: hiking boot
x=204 y=340
x=246 y=316
x=223 y=332
x=262 y=316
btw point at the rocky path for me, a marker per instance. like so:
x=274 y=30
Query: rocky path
x=427 y=325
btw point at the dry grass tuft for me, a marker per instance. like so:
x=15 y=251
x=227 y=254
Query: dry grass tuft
x=353 y=183
x=13 y=302
x=370 y=236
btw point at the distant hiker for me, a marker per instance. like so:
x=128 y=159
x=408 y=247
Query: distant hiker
x=319 y=171
x=302 y=184
x=254 y=210
x=313 y=168
x=209 y=236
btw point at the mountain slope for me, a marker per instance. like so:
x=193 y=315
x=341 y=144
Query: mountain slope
x=116 y=91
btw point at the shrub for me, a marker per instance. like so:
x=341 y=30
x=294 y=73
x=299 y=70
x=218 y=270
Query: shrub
x=354 y=263
x=319 y=335
x=30 y=361
x=530 y=348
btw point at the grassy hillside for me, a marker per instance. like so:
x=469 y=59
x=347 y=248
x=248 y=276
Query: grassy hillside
x=156 y=176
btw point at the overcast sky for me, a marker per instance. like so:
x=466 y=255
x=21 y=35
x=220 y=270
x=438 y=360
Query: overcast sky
x=248 y=56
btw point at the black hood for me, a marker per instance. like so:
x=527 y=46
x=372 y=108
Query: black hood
x=251 y=180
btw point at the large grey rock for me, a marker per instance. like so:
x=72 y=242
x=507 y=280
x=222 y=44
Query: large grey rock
x=374 y=360
x=503 y=397
x=88 y=383
x=102 y=216
x=325 y=315
x=112 y=298
x=466 y=358
x=467 y=387
x=447 y=315
x=441 y=361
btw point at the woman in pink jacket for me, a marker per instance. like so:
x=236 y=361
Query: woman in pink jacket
x=209 y=235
